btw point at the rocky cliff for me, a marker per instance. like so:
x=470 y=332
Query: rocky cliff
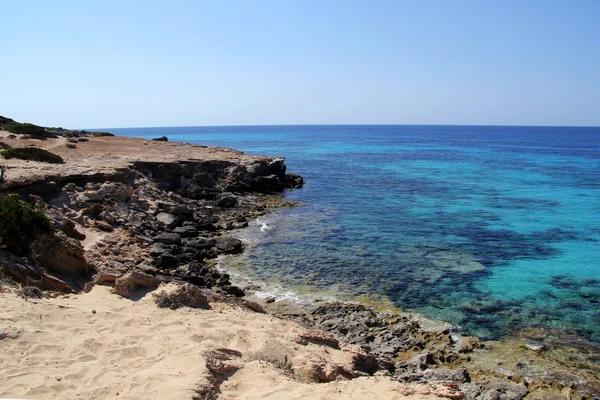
x=119 y=205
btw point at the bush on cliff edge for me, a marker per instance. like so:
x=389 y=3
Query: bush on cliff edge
x=33 y=154
x=19 y=222
x=25 y=128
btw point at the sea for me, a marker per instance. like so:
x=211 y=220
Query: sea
x=493 y=229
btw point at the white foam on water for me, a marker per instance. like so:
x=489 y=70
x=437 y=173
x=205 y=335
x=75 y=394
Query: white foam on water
x=262 y=222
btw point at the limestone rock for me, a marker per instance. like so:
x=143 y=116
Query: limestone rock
x=128 y=283
x=169 y=220
x=115 y=190
x=103 y=226
x=318 y=337
x=494 y=390
x=21 y=270
x=59 y=253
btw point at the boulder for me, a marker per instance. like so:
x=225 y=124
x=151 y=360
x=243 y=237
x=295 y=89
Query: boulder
x=200 y=243
x=186 y=231
x=267 y=184
x=167 y=260
x=133 y=280
x=227 y=200
x=115 y=190
x=229 y=245
x=157 y=249
x=59 y=253
x=179 y=209
x=103 y=226
x=276 y=167
x=169 y=220
x=22 y=271
x=293 y=181
x=168 y=238
x=233 y=290
x=64 y=224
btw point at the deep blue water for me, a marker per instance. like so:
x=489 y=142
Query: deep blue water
x=489 y=228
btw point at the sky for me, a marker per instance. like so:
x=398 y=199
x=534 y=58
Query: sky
x=108 y=64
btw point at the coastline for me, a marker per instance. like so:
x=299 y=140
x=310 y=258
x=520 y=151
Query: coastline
x=546 y=361
x=427 y=350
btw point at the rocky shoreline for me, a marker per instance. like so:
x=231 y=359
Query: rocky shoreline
x=136 y=214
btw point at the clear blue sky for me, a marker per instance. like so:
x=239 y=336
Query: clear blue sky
x=84 y=64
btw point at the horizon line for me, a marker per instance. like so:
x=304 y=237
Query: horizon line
x=287 y=125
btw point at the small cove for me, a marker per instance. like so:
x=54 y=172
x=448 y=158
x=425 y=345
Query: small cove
x=492 y=229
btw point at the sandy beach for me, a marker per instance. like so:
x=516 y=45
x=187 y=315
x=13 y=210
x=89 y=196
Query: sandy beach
x=99 y=345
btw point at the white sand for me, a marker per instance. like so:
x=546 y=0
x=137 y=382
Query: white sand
x=59 y=349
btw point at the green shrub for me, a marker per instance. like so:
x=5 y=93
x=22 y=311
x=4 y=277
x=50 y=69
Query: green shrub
x=101 y=134
x=71 y=146
x=25 y=129
x=19 y=222
x=4 y=121
x=4 y=146
x=33 y=137
x=33 y=154
x=71 y=134
x=83 y=140
x=11 y=136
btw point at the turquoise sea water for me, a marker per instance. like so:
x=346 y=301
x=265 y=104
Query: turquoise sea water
x=489 y=228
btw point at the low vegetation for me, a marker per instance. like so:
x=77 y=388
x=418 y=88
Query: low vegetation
x=30 y=292
x=186 y=295
x=282 y=364
x=71 y=146
x=101 y=134
x=19 y=223
x=25 y=129
x=33 y=137
x=32 y=154
x=4 y=146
